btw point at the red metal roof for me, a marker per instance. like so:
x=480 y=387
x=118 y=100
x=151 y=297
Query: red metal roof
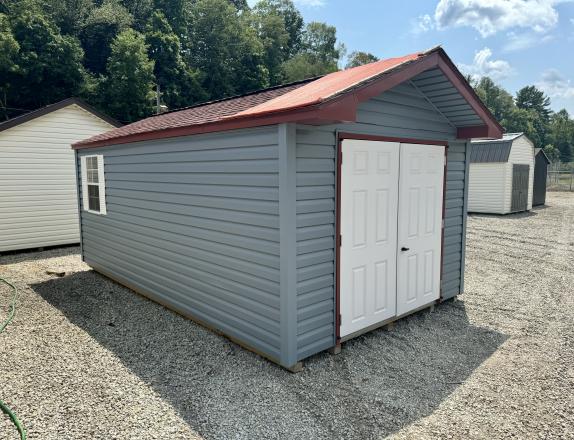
x=315 y=100
x=327 y=86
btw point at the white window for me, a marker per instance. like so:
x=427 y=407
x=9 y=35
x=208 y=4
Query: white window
x=93 y=184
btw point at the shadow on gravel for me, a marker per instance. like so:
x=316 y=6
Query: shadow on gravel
x=19 y=256
x=511 y=216
x=380 y=383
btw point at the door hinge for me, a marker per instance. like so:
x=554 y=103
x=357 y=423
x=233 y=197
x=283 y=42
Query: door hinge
x=339 y=240
x=341 y=157
x=442 y=223
x=340 y=319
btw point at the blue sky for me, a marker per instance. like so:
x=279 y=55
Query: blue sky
x=517 y=42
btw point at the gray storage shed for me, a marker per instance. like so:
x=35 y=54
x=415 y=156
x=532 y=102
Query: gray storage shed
x=292 y=218
x=541 y=163
x=501 y=175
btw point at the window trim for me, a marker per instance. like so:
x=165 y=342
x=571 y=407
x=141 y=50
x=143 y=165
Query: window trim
x=101 y=184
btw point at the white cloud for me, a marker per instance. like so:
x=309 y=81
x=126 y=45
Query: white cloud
x=423 y=23
x=489 y=17
x=524 y=40
x=484 y=65
x=556 y=85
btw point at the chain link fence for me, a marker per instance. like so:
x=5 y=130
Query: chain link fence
x=560 y=178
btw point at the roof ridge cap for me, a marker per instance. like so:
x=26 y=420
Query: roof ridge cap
x=229 y=98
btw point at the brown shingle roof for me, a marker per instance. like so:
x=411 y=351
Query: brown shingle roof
x=205 y=113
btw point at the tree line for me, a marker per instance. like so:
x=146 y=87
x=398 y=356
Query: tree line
x=116 y=54
x=529 y=112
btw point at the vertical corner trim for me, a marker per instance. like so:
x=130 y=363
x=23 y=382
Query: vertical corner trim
x=288 y=242
x=79 y=188
x=468 y=147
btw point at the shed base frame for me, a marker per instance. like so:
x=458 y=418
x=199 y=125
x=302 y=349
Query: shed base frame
x=388 y=323
x=38 y=248
x=335 y=349
x=295 y=368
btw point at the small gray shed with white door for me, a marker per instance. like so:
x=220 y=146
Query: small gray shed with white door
x=501 y=175
x=292 y=218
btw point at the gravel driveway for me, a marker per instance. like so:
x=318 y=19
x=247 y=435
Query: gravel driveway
x=88 y=359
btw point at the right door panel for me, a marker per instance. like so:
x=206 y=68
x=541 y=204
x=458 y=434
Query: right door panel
x=420 y=225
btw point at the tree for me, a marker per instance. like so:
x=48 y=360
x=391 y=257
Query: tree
x=180 y=85
x=497 y=100
x=9 y=48
x=561 y=134
x=552 y=153
x=530 y=98
x=225 y=50
x=129 y=88
x=240 y=5
x=320 y=40
x=292 y=19
x=319 y=53
x=140 y=11
x=524 y=121
x=102 y=26
x=177 y=13
x=69 y=15
x=271 y=30
x=534 y=100
x=48 y=66
x=360 y=58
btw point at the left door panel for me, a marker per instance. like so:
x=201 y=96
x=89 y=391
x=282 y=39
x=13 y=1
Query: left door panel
x=368 y=254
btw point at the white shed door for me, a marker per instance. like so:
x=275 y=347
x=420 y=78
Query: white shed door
x=390 y=225
x=369 y=191
x=420 y=213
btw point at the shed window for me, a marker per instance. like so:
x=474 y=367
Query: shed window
x=93 y=184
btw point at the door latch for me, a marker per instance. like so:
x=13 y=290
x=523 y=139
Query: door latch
x=404 y=249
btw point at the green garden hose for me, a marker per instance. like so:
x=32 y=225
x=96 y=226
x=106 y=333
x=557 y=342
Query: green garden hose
x=3 y=406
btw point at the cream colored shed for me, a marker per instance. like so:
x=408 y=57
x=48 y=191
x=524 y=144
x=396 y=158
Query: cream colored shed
x=38 y=197
x=501 y=175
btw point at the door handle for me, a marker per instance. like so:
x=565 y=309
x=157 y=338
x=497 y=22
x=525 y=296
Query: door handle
x=404 y=249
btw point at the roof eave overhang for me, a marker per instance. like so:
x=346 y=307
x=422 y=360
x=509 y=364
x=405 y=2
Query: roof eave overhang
x=316 y=115
x=338 y=108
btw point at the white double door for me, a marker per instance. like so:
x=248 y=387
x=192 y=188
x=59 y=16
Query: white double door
x=390 y=223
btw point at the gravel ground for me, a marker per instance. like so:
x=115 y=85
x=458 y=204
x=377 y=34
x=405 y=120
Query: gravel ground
x=88 y=359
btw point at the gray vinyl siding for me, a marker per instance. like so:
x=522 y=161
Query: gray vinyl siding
x=193 y=223
x=401 y=112
x=455 y=219
x=315 y=240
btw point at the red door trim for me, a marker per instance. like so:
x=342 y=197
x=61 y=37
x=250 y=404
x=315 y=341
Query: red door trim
x=340 y=137
x=370 y=137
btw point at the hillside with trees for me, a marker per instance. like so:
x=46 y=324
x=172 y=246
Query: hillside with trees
x=117 y=54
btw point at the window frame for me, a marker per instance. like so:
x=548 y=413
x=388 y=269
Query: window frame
x=100 y=184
